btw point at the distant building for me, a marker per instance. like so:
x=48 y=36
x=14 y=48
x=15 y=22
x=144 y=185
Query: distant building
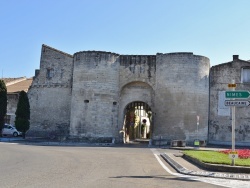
x=14 y=86
x=220 y=124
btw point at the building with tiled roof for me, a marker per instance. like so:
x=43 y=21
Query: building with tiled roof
x=18 y=85
x=14 y=87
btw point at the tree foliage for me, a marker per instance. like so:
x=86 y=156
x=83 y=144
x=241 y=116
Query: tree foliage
x=3 y=103
x=23 y=113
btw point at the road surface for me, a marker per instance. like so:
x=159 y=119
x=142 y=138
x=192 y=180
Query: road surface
x=29 y=166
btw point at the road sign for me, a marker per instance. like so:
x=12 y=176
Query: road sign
x=233 y=156
x=197 y=143
x=237 y=94
x=231 y=85
x=237 y=103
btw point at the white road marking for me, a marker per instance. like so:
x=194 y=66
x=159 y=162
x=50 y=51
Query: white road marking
x=215 y=181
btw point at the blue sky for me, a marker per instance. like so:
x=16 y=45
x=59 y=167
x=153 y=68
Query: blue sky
x=216 y=29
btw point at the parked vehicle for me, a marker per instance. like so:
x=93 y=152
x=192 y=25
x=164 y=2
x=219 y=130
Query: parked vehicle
x=10 y=130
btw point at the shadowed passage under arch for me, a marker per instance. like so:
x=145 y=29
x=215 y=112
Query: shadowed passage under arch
x=137 y=121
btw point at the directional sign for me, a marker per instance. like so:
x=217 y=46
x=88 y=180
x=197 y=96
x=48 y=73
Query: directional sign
x=233 y=156
x=237 y=94
x=237 y=103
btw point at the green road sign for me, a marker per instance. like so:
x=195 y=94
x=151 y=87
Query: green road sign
x=237 y=94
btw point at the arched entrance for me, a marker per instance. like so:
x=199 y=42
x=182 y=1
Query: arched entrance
x=137 y=121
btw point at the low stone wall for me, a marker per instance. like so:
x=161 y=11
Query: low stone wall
x=178 y=143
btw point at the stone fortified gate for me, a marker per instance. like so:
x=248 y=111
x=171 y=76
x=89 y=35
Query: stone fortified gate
x=98 y=95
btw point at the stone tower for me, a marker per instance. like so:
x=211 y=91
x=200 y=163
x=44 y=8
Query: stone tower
x=95 y=91
x=181 y=96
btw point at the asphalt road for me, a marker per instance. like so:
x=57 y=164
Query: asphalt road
x=32 y=166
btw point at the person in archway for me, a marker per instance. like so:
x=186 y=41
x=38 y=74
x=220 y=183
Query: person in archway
x=143 y=126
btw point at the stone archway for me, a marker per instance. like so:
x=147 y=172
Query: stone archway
x=137 y=121
x=130 y=94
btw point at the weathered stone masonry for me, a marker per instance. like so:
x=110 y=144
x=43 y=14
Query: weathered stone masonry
x=220 y=126
x=50 y=95
x=85 y=95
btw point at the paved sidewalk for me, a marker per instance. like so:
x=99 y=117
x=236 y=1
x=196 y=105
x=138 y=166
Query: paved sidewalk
x=184 y=167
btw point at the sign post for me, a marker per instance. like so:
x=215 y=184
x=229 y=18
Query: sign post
x=233 y=103
x=197 y=141
x=198 y=121
x=233 y=124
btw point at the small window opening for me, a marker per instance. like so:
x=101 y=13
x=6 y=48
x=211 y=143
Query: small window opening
x=245 y=75
x=114 y=103
x=86 y=101
x=50 y=73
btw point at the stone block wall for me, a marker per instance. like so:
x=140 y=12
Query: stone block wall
x=85 y=95
x=181 y=94
x=220 y=124
x=137 y=82
x=135 y=68
x=50 y=93
x=95 y=95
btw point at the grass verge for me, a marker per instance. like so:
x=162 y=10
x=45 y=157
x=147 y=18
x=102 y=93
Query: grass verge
x=215 y=157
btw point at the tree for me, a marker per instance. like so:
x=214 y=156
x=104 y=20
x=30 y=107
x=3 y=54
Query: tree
x=23 y=113
x=3 y=103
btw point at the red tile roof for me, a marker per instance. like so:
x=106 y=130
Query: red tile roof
x=15 y=85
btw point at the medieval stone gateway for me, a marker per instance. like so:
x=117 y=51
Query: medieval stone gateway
x=85 y=96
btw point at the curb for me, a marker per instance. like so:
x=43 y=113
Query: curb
x=179 y=168
x=217 y=167
x=54 y=143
